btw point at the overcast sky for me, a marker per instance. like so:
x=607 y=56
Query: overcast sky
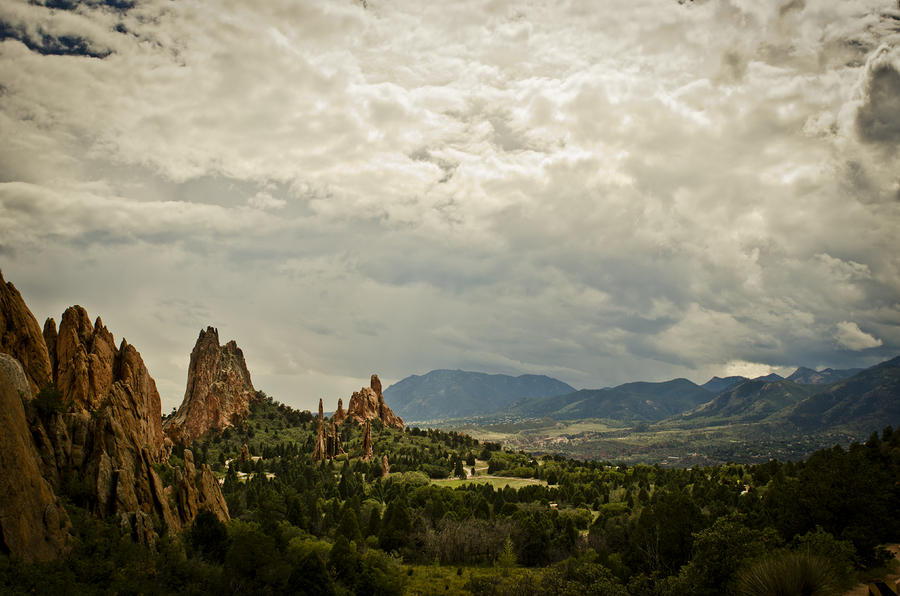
x=598 y=191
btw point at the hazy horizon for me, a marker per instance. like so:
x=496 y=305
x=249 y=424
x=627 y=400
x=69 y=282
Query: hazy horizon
x=662 y=190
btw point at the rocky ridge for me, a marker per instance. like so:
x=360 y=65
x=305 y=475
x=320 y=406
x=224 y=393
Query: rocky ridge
x=219 y=390
x=94 y=435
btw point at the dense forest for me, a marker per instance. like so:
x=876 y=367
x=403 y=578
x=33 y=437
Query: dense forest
x=347 y=526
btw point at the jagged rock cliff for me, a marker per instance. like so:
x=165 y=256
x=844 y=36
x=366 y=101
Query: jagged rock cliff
x=20 y=336
x=33 y=524
x=97 y=438
x=219 y=390
x=368 y=404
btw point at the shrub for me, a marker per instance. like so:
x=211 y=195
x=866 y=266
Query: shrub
x=788 y=574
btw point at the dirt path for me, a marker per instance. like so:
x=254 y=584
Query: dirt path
x=863 y=589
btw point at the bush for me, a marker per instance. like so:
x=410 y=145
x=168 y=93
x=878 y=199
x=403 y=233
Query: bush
x=49 y=401
x=789 y=574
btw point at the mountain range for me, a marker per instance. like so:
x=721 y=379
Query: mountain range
x=442 y=394
x=806 y=400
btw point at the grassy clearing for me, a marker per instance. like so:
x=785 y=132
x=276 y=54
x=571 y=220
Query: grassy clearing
x=495 y=481
x=431 y=580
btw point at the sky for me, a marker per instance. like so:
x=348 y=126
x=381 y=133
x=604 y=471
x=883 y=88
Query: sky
x=600 y=192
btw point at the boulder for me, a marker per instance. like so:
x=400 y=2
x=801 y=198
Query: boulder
x=15 y=376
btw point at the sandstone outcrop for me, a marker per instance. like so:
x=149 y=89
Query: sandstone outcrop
x=99 y=443
x=339 y=414
x=385 y=466
x=111 y=438
x=33 y=524
x=20 y=337
x=368 y=404
x=319 y=452
x=219 y=391
x=335 y=448
x=367 y=453
x=195 y=492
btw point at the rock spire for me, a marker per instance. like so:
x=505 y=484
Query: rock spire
x=368 y=404
x=339 y=414
x=320 y=452
x=367 y=453
x=218 y=393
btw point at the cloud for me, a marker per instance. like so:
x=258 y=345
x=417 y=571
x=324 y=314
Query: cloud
x=878 y=118
x=851 y=337
x=263 y=200
x=653 y=192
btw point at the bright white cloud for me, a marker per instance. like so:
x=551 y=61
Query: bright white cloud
x=850 y=336
x=654 y=191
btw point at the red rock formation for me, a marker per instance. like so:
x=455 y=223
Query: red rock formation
x=106 y=441
x=320 y=451
x=339 y=414
x=367 y=453
x=112 y=436
x=33 y=524
x=219 y=390
x=90 y=371
x=336 y=448
x=194 y=493
x=20 y=336
x=368 y=404
x=385 y=466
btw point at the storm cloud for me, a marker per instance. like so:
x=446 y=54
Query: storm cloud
x=660 y=190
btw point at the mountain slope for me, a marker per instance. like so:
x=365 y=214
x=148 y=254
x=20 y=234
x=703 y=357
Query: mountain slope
x=630 y=402
x=458 y=393
x=718 y=384
x=870 y=398
x=752 y=400
x=821 y=377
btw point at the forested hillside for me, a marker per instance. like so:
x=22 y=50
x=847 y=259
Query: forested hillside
x=520 y=525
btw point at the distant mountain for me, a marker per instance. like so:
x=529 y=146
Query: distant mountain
x=868 y=399
x=632 y=402
x=771 y=377
x=718 y=384
x=821 y=377
x=752 y=400
x=459 y=393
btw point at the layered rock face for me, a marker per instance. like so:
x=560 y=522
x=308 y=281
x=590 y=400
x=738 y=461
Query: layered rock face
x=195 y=492
x=368 y=404
x=98 y=444
x=33 y=524
x=93 y=374
x=219 y=390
